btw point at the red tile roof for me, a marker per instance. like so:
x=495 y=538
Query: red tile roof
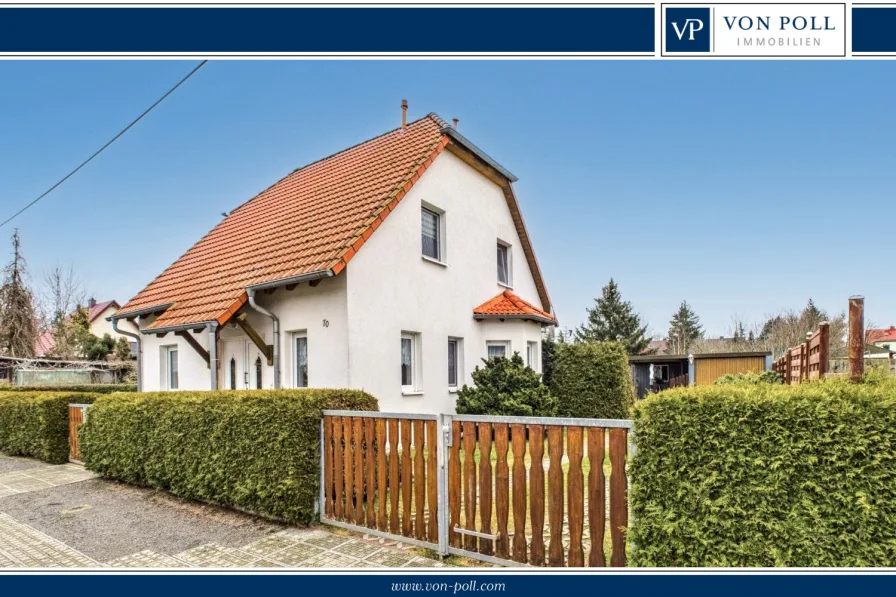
x=97 y=309
x=312 y=221
x=885 y=335
x=507 y=305
x=44 y=344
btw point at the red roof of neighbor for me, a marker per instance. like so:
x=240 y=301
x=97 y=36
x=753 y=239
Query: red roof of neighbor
x=313 y=220
x=98 y=308
x=44 y=344
x=885 y=335
x=509 y=305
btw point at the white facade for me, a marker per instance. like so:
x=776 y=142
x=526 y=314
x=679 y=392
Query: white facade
x=353 y=323
x=99 y=326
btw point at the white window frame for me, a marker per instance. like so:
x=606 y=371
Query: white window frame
x=166 y=356
x=295 y=336
x=508 y=252
x=532 y=359
x=504 y=343
x=458 y=363
x=416 y=370
x=441 y=241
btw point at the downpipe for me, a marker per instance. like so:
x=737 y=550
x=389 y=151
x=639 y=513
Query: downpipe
x=139 y=341
x=251 y=293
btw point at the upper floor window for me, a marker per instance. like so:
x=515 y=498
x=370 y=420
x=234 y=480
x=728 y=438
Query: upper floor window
x=504 y=264
x=431 y=228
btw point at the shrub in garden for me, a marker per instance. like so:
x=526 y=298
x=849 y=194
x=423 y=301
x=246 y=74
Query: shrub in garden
x=36 y=423
x=98 y=388
x=592 y=380
x=765 y=475
x=772 y=377
x=252 y=450
x=506 y=387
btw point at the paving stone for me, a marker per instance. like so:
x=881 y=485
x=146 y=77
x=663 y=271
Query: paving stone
x=28 y=547
x=327 y=541
x=148 y=559
x=329 y=559
x=357 y=549
x=270 y=545
x=297 y=554
x=390 y=558
x=424 y=563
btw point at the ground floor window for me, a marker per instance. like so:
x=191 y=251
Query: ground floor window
x=532 y=355
x=410 y=362
x=454 y=362
x=498 y=348
x=660 y=373
x=301 y=361
x=171 y=378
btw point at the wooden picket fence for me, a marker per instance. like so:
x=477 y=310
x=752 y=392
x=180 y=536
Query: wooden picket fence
x=481 y=486
x=808 y=361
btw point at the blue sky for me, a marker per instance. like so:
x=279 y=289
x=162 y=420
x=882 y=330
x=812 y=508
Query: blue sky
x=741 y=187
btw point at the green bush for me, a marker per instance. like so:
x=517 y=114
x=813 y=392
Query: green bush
x=252 y=450
x=506 y=387
x=36 y=423
x=765 y=475
x=592 y=380
x=750 y=378
x=98 y=388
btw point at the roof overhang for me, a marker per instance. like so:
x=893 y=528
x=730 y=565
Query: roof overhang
x=535 y=318
x=311 y=276
x=471 y=147
x=179 y=328
x=141 y=312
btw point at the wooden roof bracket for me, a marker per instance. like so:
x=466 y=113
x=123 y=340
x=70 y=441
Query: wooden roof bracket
x=266 y=349
x=194 y=344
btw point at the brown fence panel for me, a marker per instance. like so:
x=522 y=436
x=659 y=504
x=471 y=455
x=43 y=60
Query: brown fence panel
x=75 y=420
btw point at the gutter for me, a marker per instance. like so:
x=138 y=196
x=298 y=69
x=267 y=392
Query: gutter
x=139 y=312
x=139 y=341
x=535 y=318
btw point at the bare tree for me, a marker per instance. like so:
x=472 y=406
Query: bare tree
x=63 y=290
x=18 y=321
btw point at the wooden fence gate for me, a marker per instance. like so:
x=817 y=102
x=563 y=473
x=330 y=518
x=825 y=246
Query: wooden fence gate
x=550 y=492
x=77 y=414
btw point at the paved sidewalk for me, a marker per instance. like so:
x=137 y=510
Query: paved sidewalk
x=64 y=516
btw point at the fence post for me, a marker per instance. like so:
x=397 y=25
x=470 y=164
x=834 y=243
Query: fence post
x=856 y=338
x=824 y=348
x=322 y=496
x=443 y=442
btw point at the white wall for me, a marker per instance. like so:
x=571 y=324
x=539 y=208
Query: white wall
x=193 y=372
x=100 y=326
x=391 y=288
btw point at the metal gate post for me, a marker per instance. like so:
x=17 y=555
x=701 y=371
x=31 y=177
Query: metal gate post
x=443 y=442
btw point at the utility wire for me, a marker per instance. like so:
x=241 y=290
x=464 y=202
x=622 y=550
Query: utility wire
x=101 y=149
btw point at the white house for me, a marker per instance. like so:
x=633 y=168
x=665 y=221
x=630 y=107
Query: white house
x=394 y=266
x=99 y=316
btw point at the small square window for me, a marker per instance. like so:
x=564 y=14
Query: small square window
x=431 y=228
x=503 y=264
x=498 y=349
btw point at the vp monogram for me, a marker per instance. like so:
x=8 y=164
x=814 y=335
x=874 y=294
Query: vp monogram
x=691 y=26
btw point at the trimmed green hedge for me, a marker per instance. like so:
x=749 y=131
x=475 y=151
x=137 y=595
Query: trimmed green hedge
x=99 y=388
x=766 y=475
x=36 y=423
x=252 y=450
x=592 y=380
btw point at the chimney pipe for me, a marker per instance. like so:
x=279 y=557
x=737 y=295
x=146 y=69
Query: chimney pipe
x=91 y=303
x=404 y=114
x=856 y=339
x=455 y=121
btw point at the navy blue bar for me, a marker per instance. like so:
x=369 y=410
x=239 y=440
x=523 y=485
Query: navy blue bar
x=354 y=30
x=874 y=29
x=443 y=585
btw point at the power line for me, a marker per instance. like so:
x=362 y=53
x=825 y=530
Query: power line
x=110 y=142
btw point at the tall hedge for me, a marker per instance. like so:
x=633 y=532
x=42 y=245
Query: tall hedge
x=593 y=380
x=96 y=388
x=766 y=475
x=36 y=423
x=251 y=450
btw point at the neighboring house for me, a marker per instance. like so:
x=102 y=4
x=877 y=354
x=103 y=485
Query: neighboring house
x=98 y=317
x=884 y=338
x=394 y=266
x=656 y=372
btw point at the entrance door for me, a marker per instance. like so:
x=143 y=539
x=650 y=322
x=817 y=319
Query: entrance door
x=236 y=373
